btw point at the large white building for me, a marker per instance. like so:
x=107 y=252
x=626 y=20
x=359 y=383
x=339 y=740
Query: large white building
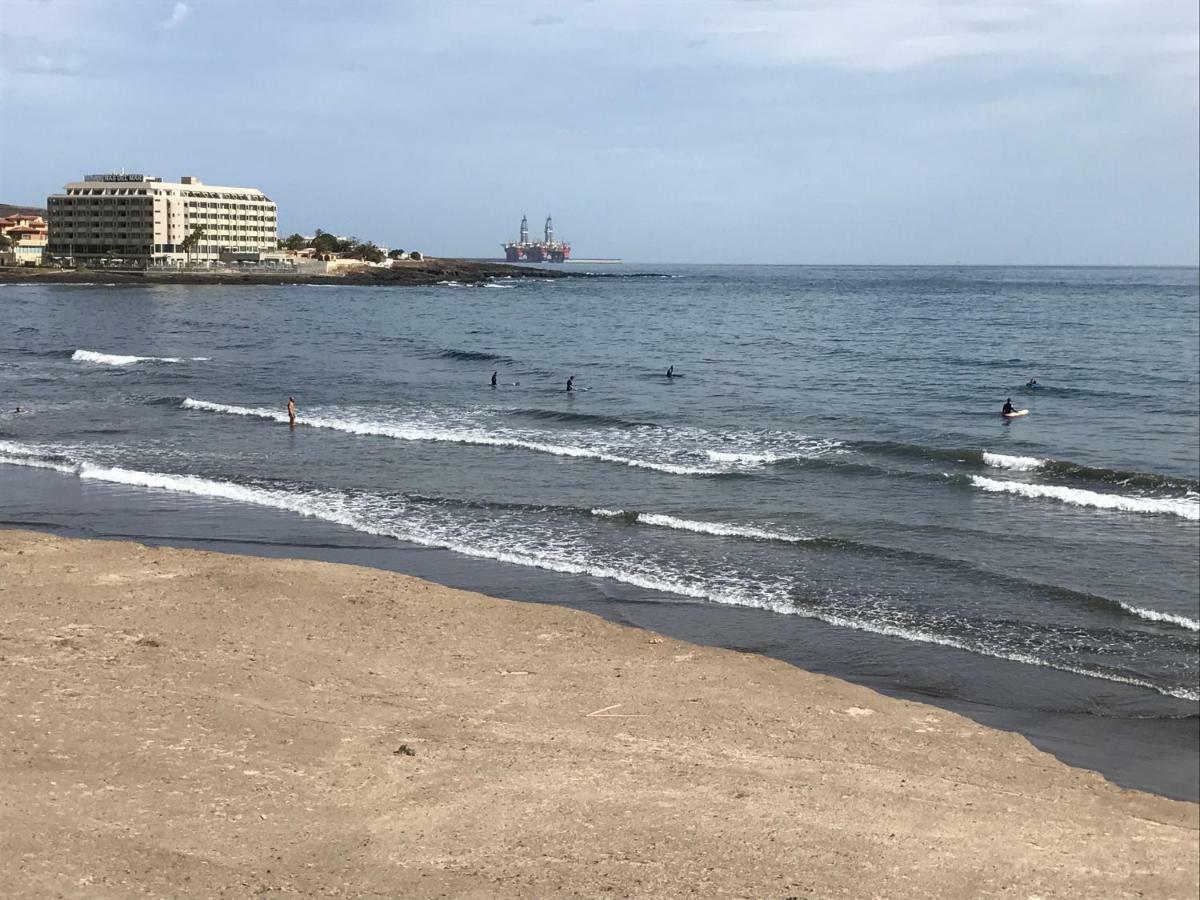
x=143 y=219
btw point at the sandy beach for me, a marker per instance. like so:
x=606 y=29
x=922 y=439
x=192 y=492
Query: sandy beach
x=181 y=723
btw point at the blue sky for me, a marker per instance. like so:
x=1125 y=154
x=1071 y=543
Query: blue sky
x=777 y=131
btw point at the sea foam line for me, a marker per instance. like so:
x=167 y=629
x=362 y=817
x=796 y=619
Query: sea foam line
x=113 y=359
x=477 y=438
x=335 y=510
x=1185 y=508
x=1155 y=616
x=721 y=529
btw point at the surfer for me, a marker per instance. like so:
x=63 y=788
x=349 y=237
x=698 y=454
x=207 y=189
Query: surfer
x=1008 y=408
x=292 y=412
x=670 y=371
x=1032 y=383
x=494 y=379
x=571 y=384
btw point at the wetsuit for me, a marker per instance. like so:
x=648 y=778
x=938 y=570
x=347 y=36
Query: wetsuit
x=1008 y=409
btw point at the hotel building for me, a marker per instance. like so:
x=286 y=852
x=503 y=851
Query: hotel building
x=143 y=219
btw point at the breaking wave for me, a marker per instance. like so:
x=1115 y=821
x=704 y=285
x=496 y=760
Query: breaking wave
x=1154 y=615
x=113 y=359
x=476 y=437
x=720 y=529
x=1017 y=463
x=1187 y=508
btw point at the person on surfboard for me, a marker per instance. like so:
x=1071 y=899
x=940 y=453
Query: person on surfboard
x=670 y=371
x=1008 y=408
x=571 y=383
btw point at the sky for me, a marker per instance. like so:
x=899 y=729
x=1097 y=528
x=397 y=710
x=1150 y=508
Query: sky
x=730 y=131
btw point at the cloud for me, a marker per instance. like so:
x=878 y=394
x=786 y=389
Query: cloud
x=179 y=12
x=56 y=65
x=547 y=20
x=45 y=64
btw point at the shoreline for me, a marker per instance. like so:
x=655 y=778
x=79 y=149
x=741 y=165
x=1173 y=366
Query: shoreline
x=1145 y=749
x=406 y=274
x=171 y=711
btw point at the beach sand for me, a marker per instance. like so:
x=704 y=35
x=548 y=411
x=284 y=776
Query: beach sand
x=180 y=723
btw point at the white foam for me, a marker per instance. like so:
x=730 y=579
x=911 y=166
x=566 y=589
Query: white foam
x=720 y=529
x=421 y=432
x=1017 y=463
x=1155 y=616
x=744 y=459
x=608 y=513
x=1185 y=508
x=113 y=359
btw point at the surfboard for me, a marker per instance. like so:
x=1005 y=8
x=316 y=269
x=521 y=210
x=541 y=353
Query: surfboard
x=1015 y=415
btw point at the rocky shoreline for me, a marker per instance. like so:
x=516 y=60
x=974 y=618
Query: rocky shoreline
x=405 y=274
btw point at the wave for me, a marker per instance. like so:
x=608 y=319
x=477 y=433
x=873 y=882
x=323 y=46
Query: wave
x=474 y=356
x=1183 y=507
x=750 y=459
x=1045 y=466
x=420 y=432
x=594 y=419
x=112 y=359
x=1154 y=615
x=1017 y=463
x=720 y=529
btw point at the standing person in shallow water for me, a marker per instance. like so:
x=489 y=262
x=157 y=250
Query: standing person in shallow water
x=494 y=379
x=292 y=412
x=670 y=371
x=571 y=383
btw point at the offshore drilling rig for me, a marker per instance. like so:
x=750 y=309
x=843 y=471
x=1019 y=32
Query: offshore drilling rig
x=548 y=250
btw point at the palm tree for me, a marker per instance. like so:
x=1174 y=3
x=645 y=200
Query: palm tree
x=191 y=241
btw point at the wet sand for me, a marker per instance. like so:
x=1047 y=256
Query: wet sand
x=196 y=724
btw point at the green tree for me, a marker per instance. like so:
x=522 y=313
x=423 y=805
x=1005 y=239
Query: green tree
x=5 y=242
x=324 y=242
x=294 y=242
x=395 y=254
x=368 y=252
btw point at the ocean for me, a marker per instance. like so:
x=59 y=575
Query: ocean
x=826 y=480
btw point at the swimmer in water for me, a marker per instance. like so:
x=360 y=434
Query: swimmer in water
x=292 y=412
x=1008 y=408
x=1032 y=383
x=494 y=379
x=571 y=383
